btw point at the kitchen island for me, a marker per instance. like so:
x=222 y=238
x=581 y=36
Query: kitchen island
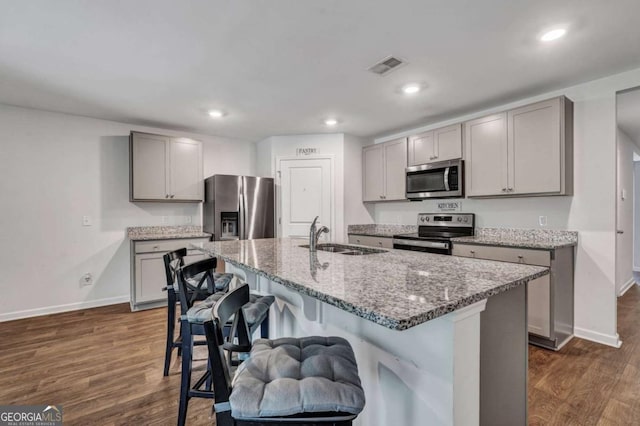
x=440 y=340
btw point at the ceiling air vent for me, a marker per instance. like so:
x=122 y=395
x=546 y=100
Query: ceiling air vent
x=387 y=65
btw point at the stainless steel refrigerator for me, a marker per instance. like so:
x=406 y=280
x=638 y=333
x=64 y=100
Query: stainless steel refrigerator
x=239 y=207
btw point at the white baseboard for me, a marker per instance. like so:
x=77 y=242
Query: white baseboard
x=594 y=336
x=626 y=286
x=10 y=316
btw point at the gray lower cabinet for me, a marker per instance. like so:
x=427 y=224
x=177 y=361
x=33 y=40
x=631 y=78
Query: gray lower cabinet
x=147 y=270
x=371 y=241
x=549 y=298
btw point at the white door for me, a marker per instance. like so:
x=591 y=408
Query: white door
x=305 y=192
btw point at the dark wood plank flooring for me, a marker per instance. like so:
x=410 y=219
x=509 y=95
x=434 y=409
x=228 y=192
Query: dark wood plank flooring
x=104 y=365
x=586 y=383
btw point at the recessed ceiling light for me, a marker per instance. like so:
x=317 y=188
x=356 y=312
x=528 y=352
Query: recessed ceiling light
x=553 y=34
x=410 y=89
x=330 y=121
x=216 y=113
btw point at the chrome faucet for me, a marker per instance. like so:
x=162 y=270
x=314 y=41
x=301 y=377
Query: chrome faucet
x=314 y=235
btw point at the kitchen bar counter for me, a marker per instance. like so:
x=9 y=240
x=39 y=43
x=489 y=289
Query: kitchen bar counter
x=440 y=340
x=379 y=230
x=521 y=238
x=396 y=289
x=144 y=233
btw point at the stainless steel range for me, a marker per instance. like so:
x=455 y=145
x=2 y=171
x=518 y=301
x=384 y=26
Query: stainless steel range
x=435 y=231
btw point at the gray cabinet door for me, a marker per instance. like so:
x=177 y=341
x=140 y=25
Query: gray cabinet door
x=486 y=155
x=534 y=148
x=421 y=149
x=149 y=167
x=150 y=277
x=373 y=173
x=395 y=158
x=185 y=165
x=448 y=143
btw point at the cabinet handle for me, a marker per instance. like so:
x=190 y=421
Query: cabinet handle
x=521 y=259
x=156 y=247
x=381 y=197
x=510 y=189
x=379 y=243
x=504 y=189
x=166 y=196
x=172 y=196
x=473 y=253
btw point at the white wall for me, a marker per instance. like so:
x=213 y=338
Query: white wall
x=624 y=207
x=271 y=149
x=54 y=169
x=591 y=210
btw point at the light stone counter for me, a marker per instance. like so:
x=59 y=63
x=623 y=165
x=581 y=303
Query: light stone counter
x=541 y=239
x=397 y=289
x=144 y=233
x=415 y=320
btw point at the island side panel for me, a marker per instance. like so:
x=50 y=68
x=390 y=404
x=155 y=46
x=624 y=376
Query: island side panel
x=504 y=358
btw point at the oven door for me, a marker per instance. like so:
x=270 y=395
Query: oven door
x=435 y=180
x=439 y=247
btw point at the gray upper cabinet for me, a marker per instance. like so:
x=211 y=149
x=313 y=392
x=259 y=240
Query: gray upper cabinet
x=165 y=168
x=384 y=171
x=435 y=145
x=522 y=152
x=486 y=155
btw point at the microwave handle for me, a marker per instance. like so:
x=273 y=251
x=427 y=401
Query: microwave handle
x=446 y=179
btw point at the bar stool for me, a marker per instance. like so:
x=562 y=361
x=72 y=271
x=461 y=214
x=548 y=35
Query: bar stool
x=297 y=382
x=255 y=311
x=172 y=261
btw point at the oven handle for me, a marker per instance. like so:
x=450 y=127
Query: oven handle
x=427 y=244
x=446 y=179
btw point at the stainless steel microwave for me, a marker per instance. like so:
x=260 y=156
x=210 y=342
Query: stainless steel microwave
x=444 y=179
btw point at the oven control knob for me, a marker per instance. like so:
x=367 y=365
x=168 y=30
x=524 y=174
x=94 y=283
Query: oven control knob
x=466 y=219
x=421 y=218
x=427 y=218
x=459 y=219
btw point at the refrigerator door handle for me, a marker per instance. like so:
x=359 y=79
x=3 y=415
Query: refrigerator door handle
x=245 y=231
x=241 y=208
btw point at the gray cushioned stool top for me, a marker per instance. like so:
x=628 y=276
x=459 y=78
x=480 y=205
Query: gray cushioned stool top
x=290 y=376
x=254 y=312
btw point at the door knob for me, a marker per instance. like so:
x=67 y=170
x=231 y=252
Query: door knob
x=620 y=231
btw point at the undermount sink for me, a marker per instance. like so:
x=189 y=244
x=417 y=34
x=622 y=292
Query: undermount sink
x=345 y=249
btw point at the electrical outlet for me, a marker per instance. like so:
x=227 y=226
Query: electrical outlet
x=87 y=279
x=542 y=220
x=86 y=221
x=187 y=219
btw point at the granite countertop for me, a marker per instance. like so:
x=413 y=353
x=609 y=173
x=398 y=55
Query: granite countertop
x=397 y=289
x=381 y=230
x=142 y=233
x=543 y=239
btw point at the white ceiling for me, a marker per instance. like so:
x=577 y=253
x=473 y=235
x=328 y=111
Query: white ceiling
x=628 y=113
x=282 y=66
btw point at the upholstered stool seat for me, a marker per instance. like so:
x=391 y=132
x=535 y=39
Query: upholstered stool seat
x=254 y=312
x=289 y=376
x=309 y=381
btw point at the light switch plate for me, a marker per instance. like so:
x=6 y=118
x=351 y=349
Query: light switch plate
x=542 y=220
x=86 y=221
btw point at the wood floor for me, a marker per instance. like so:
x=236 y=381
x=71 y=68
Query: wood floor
x=104 y=366
x=586 y=383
